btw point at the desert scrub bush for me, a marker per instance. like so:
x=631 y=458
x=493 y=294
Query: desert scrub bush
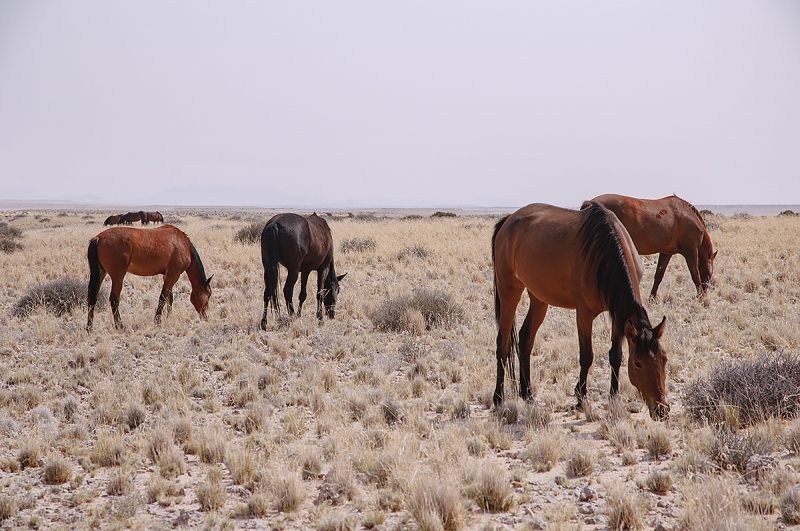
x=623 y=510
x=757 y=389
x=211 y=492
x=709 y=506
x=9 y=235
x=57 y=471
x=251 y=233
x=440 y=214
x=491 y=489
x=793 y=437
x=436 y=505
x=8 y=507
x=415 y=251
x=358 y=245
x=790 y=505
x=58 y=297
x=735 y=448
x=580 y=460
x=437 y=308
x=120 y=483
x=544 y=451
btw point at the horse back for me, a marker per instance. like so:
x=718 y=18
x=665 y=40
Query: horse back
x=668 y=225
x=143 y=252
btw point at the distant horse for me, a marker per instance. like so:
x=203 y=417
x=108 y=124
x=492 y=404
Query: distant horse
x=130 y=218
x=112 y=220
x=301 y=245
x=583 y=260
x=155 y=217
x=666 y=226
x=146 y=252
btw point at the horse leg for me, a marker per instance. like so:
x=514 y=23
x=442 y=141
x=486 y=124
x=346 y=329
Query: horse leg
x=615 y=356
x=288 y=289
x=94 y=288
x=527 y=335
x=508 y=301
x=692 y=262
x=663 y=261
x=585 y=320
x=113 y=299
x=303 y=283
x=322 y=274
x=165 y=297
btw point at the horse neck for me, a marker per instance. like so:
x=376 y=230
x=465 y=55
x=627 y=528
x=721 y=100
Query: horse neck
x=195 y=271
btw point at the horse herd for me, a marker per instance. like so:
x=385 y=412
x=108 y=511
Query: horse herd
x=132 y=217
x=586 y=260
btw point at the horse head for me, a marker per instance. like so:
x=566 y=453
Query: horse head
x=200 y=295
x=705 y=262
x=331 y=293
x=647 y=364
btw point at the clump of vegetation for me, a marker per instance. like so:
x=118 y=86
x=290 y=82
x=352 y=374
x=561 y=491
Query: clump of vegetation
x=59 y=297
x=733 y=449
x=250 y=233
x=789 y=213
x=436 y=505
x=439 y=214
x=415 y=251
x=491 y=489
x=358 y=245
x=790 y=506
x=438 y=309
x=57 y=471
x=623 y=510
x=757 y=389
x=211 y=492
x=9 y=235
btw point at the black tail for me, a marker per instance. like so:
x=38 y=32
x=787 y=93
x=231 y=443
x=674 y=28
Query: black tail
x=269 y=257
x=514 y=344
x=94 y=272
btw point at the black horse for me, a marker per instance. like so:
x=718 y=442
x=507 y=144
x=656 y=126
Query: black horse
x=301 y=245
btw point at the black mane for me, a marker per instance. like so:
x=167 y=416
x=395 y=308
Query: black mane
x=602 y=247
x=201 y=272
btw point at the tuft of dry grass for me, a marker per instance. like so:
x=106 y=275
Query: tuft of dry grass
x=545 y=450
x=624 y=510
x=210 y=444
x=491 y=489
x=581 y=460
x=358 y=245
x=288 y=493
x=109 y=450
x=436 y=505
x=790 y=505
x=8 y=507
x=30 y=452
x=211 y=492
x=659 y=440
x=57 y=471
x=657 y=482
x=437 y=308
x=709 y=506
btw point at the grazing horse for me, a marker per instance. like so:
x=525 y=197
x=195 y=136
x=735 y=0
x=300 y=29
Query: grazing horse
x=581 y=259
x=666 y=226
x=155 y=217
x=130 y=218
x=301 y=245
x=112 y=220
x=146 y=252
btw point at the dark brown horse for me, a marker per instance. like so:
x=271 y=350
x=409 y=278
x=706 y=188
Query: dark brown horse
x=112 y=220
x=583 y=260
x=301 y=245
x=155 y=217
x=132 y=217
x=666 y=226
x=145 y=252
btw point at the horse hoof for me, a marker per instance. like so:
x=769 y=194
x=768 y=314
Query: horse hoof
x=579 y=406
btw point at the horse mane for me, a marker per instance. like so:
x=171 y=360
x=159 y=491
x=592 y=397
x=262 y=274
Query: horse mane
x=201 y=272
x=694 y=209
x=602 y=247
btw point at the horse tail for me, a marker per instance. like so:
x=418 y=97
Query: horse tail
x=269 y=257
x=94 y=272
x=514 y=341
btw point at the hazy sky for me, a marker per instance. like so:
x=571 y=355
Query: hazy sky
x=400 y=103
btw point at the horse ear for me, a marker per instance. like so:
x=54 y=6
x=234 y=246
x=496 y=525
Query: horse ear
x=208 y=281
x=340 y=277
x=715 y=255
x=630 y=331
x=658 y=330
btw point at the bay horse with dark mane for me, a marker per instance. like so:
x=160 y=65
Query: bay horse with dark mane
x=301 y=245
x=582 y=260
x=112 y=220
x=666 y=226
x=155 y=217
x=163 y=251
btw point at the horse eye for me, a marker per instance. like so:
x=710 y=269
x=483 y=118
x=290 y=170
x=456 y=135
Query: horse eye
x=637 y=364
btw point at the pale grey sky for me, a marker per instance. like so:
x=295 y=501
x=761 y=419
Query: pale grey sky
x=400 y=103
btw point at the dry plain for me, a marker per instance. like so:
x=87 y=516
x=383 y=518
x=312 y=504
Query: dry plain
x=348 y=424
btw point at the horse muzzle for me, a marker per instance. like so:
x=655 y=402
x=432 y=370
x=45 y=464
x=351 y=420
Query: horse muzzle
x=659 y=411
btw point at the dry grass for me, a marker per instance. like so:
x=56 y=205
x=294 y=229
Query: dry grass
x=339 y=424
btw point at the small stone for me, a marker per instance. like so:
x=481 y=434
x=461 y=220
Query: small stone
x=587 y=494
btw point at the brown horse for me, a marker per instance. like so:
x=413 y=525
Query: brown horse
x=112 y=220
x=146 y=252
x=302 y=245
x=155 y=217
x=666 y=226
x=583 y=260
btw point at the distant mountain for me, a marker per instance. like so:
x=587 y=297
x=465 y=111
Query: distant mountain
x=217 y=195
